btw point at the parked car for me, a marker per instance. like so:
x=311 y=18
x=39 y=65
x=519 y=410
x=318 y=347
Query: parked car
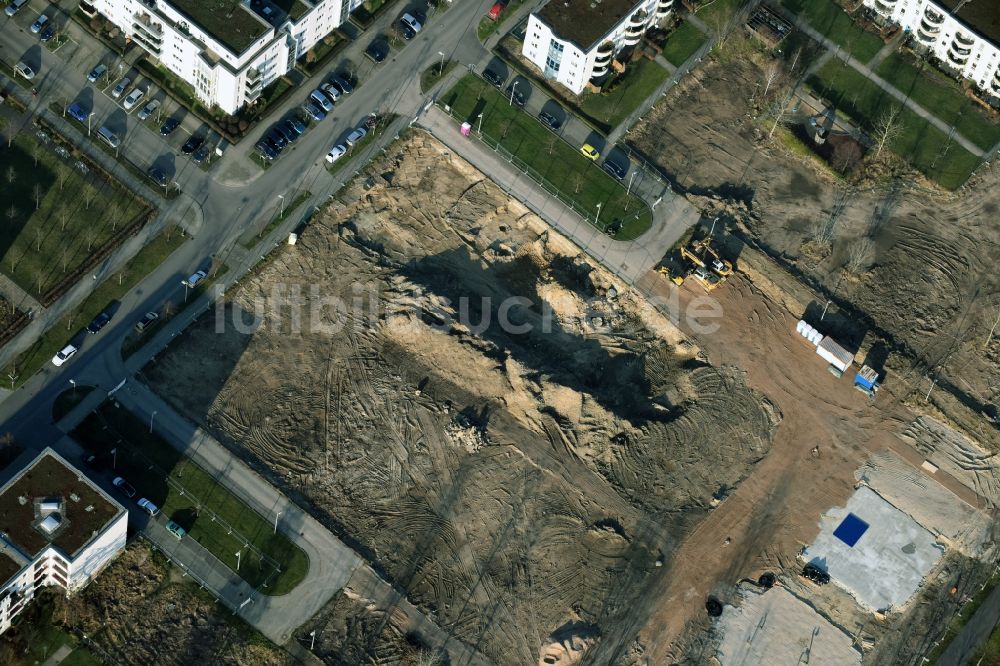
x=124 y=486
x=288 y=134
x=493 y=77
x=119 y=89
x=77 y=112
x=317 y=97
x=313 y=111
x=549 y=120
x=195 y=278
x=355 y=136
x=295 y=125
x=266 y=151
x=133 y=98
x=148 y=110
x=277 y=138
x=200 y=154
x=97 y=73
x=411 y=22
x=158 y=176
x=590 y=152
x=39 y=23
x=614 y=169
x=99 y=322
x=342 y=83
x=14 y=7
x=406 y=32
x=270 y=141
x=176 y=529
x=169 y=125
x=64 y=355
x=336 y=153
x=192 y=144
x=377 y=51
x=48 y=33
x=515 y=95
x=146 y=321
x=148 y=507
x=24 y=70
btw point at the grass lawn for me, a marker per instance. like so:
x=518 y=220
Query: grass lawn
x=557 y=163
x=837 y=25
x=69 y=327
x=186 y=493
x=716 y=14
x=54 y=217
x=942 y=96
x=248 y=241
x=640 y=80
x=918 y=142
x=49 y=639
x=433 y=74
x=682 y=43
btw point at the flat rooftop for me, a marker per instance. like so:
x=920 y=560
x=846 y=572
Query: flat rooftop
x=873 y=550
x=983 y=16
x=776 y=627
x=584 y=22
x=228 y=21
x=82 y=512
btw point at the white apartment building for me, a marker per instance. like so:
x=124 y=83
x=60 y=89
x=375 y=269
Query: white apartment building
x=56 y=528
x=575 y=41
x=963 y=34
x=228 y=50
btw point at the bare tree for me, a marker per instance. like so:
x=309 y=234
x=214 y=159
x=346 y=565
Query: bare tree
x=11 y=173
x=577 y=182
x=886 y=128
x=63 y=215
x=39 y=236
x=771 y=74
x=859 y=257
x=62 y=174
x=4 y=124
x=39 y=279
x=66 y=254
x=88 y=196
x=36 y=150
x=11 y=213
x=91 y=239
x=846 y=155
x=551 y=144
x=36 y=193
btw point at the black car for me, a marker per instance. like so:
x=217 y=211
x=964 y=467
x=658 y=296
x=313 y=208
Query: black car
x=493 y=78
x=100 y=321
x=294 y=128
x=406 y=31
x=158 y=176
x=266 y=151
x=48 y=33
x=342 y=83
x=269 y=141
x=169 y=126
x=284 y=131
x=549 y=121
x=377 y=51
x=200 y=155
x=192 y=144
x=515 y=95
x=616 y=170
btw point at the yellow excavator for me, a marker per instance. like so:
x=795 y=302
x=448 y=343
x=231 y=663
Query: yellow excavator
x=676 y=276
x=709 y=269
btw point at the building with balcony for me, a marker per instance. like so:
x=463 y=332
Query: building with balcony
x=575 y=42
x=227 y=50
x=963 y=34
x=56 y=528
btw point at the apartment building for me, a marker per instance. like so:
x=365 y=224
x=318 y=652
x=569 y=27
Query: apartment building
x=228 y=50
x=576 y=42
x=963 y=34
x=56 y=528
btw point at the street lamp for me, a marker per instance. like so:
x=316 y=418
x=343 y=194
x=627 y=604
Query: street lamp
x=598 y=218
x=73 y=384
x=151 y=417
x=441 y=66
x=312 y=643
x=281 y=213
x=513 y=89
x=276 y=516
x=238 y=559
x=114 y=457
x=480 y=124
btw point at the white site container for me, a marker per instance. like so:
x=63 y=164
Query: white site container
x=834 y=354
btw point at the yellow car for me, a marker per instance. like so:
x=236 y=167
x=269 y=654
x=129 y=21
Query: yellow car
x=590 y=152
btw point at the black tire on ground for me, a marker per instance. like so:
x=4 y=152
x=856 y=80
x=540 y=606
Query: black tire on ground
x=714 y=607
x=766 y=580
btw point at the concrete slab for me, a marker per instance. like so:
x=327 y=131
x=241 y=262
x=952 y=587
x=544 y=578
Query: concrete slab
x=887 y=563
x=777 y=628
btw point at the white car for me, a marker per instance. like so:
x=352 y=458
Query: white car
x=356 y=136
x=133 y=98
x=63 y=355
x=148 y=507
x=332 y=91
x=336 y=153
x=194 y=279
x=409 y=20
x=24 y=70
x=120 y=88
x=148 y=110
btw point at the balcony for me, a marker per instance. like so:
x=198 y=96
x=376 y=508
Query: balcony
x=963 y=40
x=604 y=53
x=663 y=8
x=639 y=19
x=927 y=33
x=933 y=17
x=600 y=70
x=885 y=7
x=958 y=56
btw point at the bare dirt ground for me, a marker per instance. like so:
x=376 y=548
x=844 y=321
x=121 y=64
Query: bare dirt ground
x=913 y=265
x=522 y=487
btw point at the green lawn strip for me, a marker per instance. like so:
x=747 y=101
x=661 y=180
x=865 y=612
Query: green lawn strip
x=682 y=43
x=252 y=239
x=43 y=240
x=716 y=14
x=80 y=657
x=8 y=71
x=488 y=26
x=917 y=141
x=383 y=122
x=119 y=155
x=943 y=97
x=827 y=18
x=186 y=494
x=641 y=78
x=557 y=163
x=55 y=338
x=434 y=73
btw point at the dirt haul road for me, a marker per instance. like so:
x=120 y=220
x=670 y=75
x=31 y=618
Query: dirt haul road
x=520 y=480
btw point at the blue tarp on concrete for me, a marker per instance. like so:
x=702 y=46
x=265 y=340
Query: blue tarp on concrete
x=850 y=529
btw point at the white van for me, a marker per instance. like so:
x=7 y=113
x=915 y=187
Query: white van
x=109 y=137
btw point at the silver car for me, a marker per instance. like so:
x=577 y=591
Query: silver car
x=148 y=110
x=120 y=88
